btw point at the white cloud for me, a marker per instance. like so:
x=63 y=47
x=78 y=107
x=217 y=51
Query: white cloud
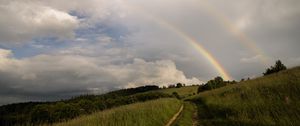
x=5 y=53
x=48 y=74
x=21 y=21
x=160 y=72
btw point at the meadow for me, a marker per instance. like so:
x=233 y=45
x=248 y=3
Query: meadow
x=272 y=100
x=183 y=92
x=188 y=116
x=36 y=113
x=150 y=113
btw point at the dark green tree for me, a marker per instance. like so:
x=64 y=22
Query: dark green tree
x=279 y=66
x=217 y=82
x=179 y=85
x=87 y=106
x=63 y=111
x=40 y=113
x=201 y=88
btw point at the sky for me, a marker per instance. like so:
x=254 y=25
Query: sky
x=58 y=49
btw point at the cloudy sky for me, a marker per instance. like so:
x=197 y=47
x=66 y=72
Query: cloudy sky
x=55 y=49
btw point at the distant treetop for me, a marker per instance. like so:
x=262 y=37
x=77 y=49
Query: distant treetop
x=276 y=68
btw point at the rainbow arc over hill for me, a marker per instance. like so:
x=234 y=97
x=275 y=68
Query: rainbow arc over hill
x=198 y=47
x=244 y=39
x=247 y=41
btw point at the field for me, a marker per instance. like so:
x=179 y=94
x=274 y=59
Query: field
x=273 y=100
x=150 y=113
x=188 y=116
x=183 y=91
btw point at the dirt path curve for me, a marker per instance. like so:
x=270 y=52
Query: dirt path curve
x=172 y=120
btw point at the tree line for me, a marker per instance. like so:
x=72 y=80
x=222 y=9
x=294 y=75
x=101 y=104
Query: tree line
x=218 y=82
x=35 y=113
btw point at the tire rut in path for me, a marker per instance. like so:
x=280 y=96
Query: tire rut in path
x=174 y=118
x=195 y=118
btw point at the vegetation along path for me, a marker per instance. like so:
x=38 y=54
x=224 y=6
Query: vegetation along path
x=188 y=116
x=174 y=118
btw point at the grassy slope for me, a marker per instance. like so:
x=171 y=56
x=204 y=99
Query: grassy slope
x=151 y=113
x=267 y=101
x=185 y=119
x=183 y=91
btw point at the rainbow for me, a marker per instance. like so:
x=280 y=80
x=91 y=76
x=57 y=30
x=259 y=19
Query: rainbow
x=227 y=24
x=189 y=39
x=198 y=47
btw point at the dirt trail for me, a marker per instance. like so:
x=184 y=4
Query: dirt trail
x=195 y=118
x=172 y=120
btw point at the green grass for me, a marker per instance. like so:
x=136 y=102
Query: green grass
x=272 y=100
x=150 y=113
x=188 y=115
x=183 y=91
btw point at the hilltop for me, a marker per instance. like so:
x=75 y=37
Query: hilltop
x=271 y=100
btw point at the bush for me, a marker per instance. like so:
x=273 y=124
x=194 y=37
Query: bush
x=176 y=95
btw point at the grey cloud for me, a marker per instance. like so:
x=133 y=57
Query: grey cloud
x=272 y=25
x=63 y=76
x=22 y=21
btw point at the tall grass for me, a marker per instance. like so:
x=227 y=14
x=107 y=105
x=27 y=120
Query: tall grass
x=150 y=113
x=187 y=117
x=272 y=100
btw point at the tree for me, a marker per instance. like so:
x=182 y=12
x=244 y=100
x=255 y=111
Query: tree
x=62 y=111
x=178 y=85
x=201 y=88
x=40 y=113
x=276 y=68
x=171 y=86
x=217 y=82
x=87 y=105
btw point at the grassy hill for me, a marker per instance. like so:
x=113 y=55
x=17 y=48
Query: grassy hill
x=188 y=116
x=36 y=113
x=182 y=92
x=272 y=100
x=50 y=112
x=150 y=113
